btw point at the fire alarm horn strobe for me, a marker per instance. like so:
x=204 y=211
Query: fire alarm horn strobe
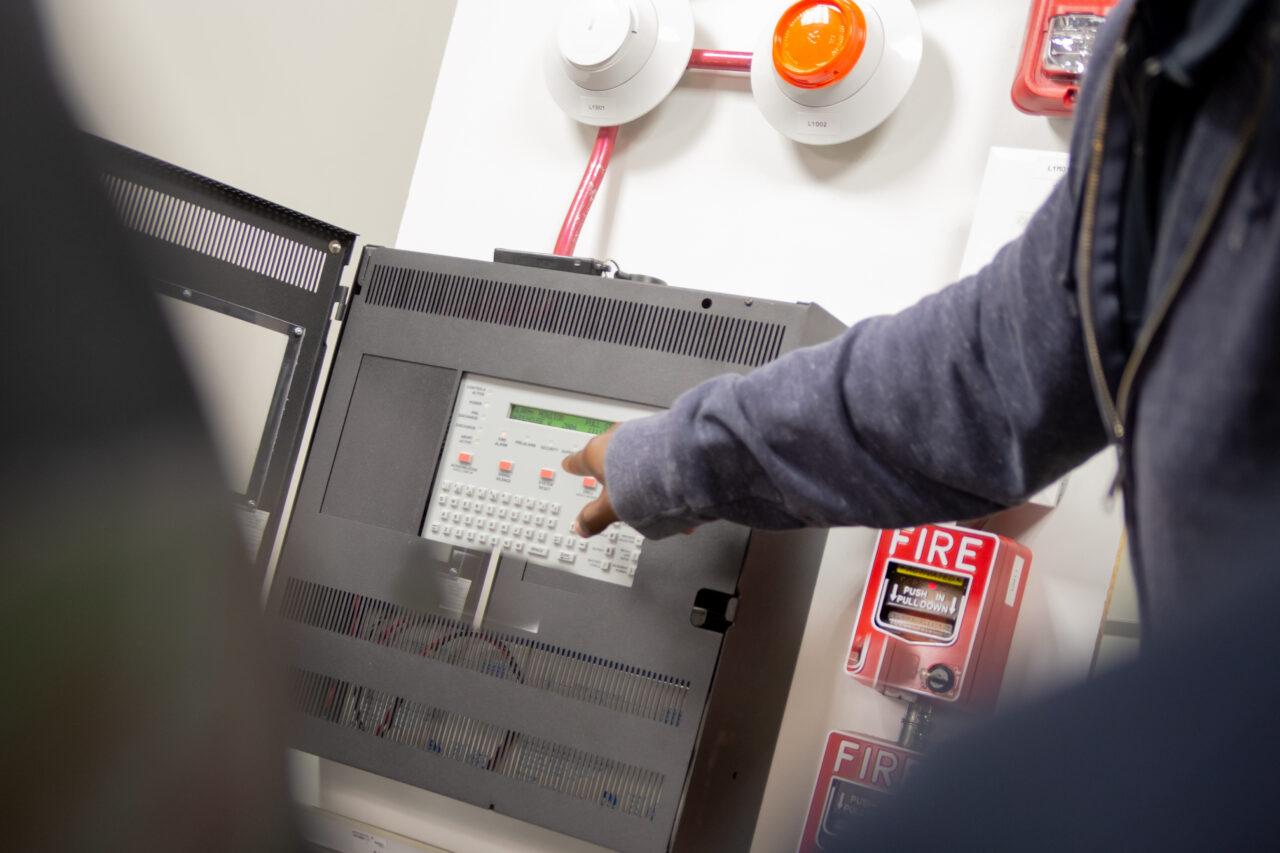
x=938 y=613
x=1057 y=50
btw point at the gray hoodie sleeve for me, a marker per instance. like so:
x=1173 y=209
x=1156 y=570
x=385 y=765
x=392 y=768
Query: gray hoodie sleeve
x=965 y=403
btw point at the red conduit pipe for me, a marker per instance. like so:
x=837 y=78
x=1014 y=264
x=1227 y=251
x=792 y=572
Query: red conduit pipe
x=587 y=189
x=720 y=60
x=699 y=60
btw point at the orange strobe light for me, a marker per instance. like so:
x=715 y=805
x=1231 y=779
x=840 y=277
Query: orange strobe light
x=818 y=42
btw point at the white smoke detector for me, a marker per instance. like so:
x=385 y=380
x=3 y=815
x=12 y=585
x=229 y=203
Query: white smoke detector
x=832 y=70
x=609 y=62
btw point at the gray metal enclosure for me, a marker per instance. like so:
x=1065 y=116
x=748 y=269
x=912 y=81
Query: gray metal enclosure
x=640 y=718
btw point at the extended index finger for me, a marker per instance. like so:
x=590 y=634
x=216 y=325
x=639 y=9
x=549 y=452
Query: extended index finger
x=576 y=463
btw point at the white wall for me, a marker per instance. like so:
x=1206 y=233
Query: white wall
x=318 y=105
x=703 y=192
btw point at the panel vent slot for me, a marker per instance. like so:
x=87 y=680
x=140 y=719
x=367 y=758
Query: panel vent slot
x=217 y=235
x=509 y=753
x=732 y=340
x=537 y=665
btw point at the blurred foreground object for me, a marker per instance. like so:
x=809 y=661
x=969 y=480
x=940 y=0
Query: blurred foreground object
x=142 y=712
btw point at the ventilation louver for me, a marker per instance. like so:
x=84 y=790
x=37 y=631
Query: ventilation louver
x=696 y=334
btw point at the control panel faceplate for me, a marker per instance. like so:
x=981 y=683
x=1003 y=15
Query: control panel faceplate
x=500 y=484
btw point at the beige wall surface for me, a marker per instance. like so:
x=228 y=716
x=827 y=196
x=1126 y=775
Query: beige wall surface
x=318 y=105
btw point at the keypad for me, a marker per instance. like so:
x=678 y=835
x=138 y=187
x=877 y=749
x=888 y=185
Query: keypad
x=534 y=528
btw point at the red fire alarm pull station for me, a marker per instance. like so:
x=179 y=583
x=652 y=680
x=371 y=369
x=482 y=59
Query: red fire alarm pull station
x=938 y=613
x=857 y=772
x=1060 y=37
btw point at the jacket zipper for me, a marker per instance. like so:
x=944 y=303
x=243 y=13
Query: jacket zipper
x=1084 y=254
x=1116 y=409
x=1191 y=255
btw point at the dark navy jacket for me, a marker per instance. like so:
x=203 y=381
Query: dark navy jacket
x=978 y=396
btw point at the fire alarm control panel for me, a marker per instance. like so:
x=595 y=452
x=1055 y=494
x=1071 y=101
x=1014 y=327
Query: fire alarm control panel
x=501 y=485
x=624 y=692
x=938 y=613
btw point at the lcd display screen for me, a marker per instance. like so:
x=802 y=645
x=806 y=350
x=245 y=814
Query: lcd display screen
x=922 y=604
x=560 y=420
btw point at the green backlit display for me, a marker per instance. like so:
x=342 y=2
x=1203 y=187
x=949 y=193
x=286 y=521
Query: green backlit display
x=560 y=420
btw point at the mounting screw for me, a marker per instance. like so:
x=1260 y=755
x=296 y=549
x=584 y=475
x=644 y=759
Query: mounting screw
x=186 y=294
x=334 y=247
x=748 y=302
x=253 y=503
x=297 y=331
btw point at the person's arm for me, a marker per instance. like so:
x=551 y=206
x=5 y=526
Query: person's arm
x=965 y=403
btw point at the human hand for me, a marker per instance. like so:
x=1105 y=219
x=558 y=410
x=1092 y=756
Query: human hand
x=589 y=462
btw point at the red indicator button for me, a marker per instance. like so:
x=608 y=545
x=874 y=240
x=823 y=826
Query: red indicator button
x=464 y=458
x=505 y=465
x=547 y=474
x=588 y=482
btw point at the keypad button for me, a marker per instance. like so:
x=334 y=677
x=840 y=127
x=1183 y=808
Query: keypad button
x=589 y=483
x=557 y=540
x=610 y=551
x=582 y=544
x=520 y=547
x=435 y=528
x=554 y=509
x=471 y=536
x=489 y=509
x=493 y=525
x=464 y=458
x=453 y=502
x=506 y=543
x=547 y=474
x=506 y=497
x=542 y=506
x=542 y=537
x=446 y=531
x=456 y=516
x=466 y=505
x=538 y=551
x=568 y=557
x=504 y=527
x=528 y=533
x=526 y=517
x=506 y=466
